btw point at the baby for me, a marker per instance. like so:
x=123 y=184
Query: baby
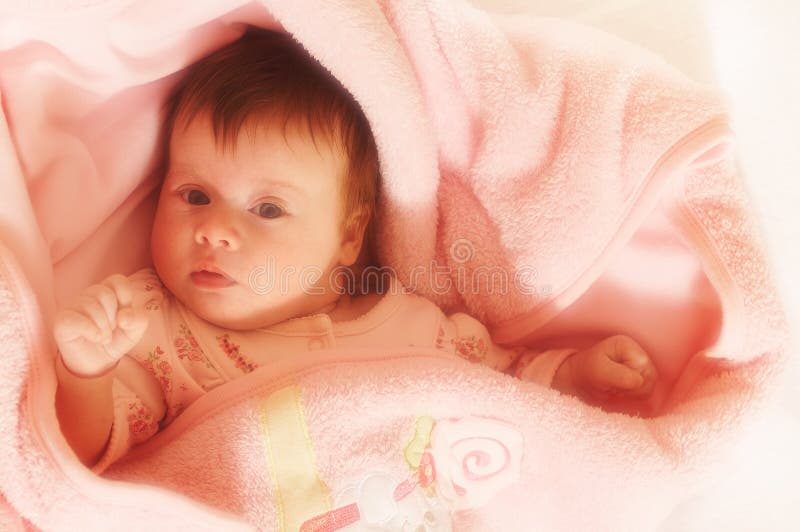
x=271 y=175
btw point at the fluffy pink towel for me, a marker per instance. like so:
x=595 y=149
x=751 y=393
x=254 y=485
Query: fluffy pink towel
x=592 y=177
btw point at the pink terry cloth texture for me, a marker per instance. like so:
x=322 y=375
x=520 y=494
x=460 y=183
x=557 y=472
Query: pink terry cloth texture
x=599 y=182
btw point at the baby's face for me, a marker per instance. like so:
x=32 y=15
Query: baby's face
x=268 y=211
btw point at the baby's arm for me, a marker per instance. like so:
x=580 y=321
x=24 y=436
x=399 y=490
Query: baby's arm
x=470 y=339
x=92 y=336
x=616 y=366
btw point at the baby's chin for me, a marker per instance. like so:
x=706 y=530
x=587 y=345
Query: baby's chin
x=233 y=314
x=237 y=317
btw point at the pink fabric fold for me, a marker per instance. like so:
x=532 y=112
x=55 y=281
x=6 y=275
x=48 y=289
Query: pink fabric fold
x=597 y=180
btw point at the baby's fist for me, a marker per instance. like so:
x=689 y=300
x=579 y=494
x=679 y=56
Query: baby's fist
x=100 y=328
x=614 y=367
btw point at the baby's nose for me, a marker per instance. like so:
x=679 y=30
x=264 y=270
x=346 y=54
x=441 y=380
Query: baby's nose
x=217 y=235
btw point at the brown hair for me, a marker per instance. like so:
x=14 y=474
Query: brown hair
x=268 y=74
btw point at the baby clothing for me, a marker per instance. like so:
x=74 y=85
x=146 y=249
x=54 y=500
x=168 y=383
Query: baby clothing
x=181 y=356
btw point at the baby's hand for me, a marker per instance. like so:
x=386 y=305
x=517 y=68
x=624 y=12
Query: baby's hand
x=98 y=330
x=614 y=367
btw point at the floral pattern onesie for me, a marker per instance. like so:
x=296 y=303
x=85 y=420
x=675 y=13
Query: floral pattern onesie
x=181 y=356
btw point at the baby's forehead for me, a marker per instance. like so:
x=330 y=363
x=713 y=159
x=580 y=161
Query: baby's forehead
x=263 y=123
x=295 y=132
x=197 y=144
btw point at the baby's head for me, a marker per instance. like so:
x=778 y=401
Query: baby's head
x=271 y=181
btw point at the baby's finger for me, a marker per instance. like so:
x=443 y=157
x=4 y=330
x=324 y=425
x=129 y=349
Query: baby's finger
x=133 y=320
x=95 y=311
x=107 y=299
x=131 y=328
x=650 y=376
x=620 y=377
x=122 y=287
x=71 y=324
x=630 y=353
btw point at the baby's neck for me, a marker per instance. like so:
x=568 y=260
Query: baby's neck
x=352 y=307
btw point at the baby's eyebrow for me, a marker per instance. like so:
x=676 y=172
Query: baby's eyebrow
x=265 y=185
x=180 y=174
x=176 y=178
x=281 y=184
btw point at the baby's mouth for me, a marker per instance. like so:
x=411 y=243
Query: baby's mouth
x=211 y=279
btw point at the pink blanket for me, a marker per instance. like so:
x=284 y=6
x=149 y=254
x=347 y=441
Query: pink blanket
x=594 y=182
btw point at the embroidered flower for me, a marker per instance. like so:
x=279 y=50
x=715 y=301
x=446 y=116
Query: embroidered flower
x=471 y=348
x=156 y=294
x=140 y=422
x=232 y=351
x=187 y=347
x=159 y=367
x=440 y=338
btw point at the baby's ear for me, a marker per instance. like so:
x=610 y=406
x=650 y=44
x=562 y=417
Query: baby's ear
x=353 y=237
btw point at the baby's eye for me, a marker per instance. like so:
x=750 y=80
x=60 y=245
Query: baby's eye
x=195 y=197
x=268 y=210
